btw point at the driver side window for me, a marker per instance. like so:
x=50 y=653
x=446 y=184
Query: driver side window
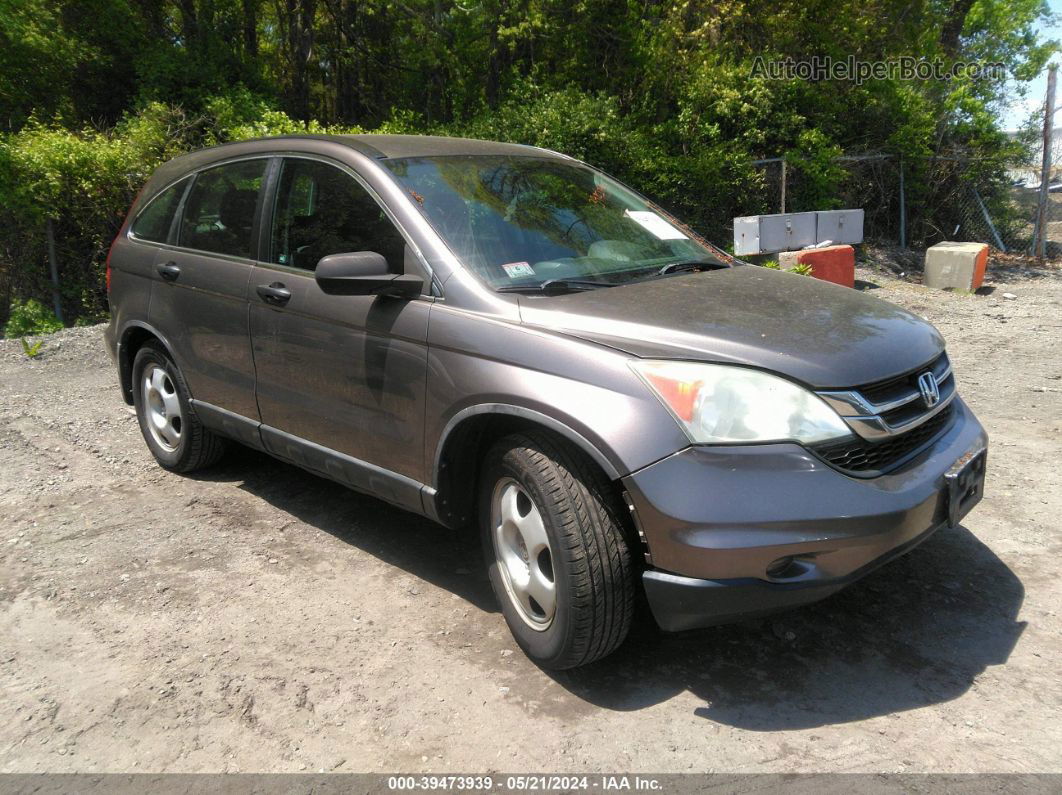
x=321 y=210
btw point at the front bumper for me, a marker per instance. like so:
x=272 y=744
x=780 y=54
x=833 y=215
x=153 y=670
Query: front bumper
x=716 y=519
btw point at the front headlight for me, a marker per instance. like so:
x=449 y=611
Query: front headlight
x=720 y=404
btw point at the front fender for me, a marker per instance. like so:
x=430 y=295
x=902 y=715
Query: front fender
x=585 y=392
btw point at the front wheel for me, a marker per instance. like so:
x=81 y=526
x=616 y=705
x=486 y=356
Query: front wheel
x=557 y=551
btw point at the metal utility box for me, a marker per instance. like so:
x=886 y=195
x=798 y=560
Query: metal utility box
x=839 y=226
x=762 y=234
x=747 y=235
x=782 y=232
x=787 y=232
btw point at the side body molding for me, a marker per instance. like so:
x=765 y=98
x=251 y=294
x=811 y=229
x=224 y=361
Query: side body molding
x=361 y=476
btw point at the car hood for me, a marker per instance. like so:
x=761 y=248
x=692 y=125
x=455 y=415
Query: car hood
x=815 y=332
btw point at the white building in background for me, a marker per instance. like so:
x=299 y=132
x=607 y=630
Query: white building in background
x=1028 y=175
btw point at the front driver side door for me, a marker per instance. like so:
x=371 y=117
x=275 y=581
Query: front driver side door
x=340 y=379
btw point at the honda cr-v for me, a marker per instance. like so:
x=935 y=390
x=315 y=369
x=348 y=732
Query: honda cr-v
x=498 y=334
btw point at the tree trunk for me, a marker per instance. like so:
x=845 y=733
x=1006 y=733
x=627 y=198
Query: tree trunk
x=299 y=28
x=189 y=24
x=954 y=22
x=250 y=28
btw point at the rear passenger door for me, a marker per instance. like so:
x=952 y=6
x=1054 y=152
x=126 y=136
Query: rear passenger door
x=151 y=231
x=345 y=373
x=199 y=299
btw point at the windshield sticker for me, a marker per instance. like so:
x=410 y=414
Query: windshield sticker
x=655 y=225
x=517 y=269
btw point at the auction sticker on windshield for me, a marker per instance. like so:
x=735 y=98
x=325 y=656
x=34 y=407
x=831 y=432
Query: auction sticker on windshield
x=517 y=269
x=655 y=225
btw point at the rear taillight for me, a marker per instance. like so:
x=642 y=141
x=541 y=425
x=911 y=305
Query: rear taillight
x=109 y=252
x=121 y=231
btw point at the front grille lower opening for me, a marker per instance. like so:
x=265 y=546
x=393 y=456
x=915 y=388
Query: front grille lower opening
x=863 y=457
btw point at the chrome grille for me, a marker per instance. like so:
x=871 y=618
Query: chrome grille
x=893 y=388
x=891 y=419
x=886 y=409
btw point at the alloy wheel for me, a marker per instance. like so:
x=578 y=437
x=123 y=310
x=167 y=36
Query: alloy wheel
x=162 y=408
x=523 y=553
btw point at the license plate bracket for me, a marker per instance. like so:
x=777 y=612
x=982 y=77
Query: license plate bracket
x=965 y=483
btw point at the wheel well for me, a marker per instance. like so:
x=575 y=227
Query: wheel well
x=132 y=341
x=462 y=456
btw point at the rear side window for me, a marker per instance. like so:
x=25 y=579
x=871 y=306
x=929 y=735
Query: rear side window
x=154 y=221
x=219 y=212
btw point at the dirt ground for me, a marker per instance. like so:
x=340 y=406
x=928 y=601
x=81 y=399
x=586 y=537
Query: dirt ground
x=256 y=618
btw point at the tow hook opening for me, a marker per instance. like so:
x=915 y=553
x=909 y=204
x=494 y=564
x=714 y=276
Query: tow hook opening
x=789 y=567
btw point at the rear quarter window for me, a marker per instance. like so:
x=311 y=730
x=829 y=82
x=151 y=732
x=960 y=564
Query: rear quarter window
x=154 y=221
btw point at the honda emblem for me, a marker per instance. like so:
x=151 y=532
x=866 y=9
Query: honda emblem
x=927 y=385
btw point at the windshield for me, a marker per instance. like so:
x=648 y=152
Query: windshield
x=530 y=221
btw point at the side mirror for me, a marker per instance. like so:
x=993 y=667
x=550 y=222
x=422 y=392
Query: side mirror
x=363 y=273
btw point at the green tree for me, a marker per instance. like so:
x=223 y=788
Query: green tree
x=95 y=93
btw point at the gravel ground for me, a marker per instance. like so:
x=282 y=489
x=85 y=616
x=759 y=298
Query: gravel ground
x=256 y=618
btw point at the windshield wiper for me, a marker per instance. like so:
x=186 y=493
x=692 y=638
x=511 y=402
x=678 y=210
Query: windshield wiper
x=690 y=265
x=649 y=272
x=554 y=286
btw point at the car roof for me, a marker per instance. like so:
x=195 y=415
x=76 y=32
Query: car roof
x=395 y=146
x=379 y=147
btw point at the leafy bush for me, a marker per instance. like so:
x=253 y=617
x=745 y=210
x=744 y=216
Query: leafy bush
x=84 y=182
x=583 y=125
x=31 y=351
x=815 y=159
x=30 y=317
x=240 y=114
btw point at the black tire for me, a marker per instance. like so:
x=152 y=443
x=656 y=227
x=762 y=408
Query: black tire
x=197 y=447
x=591 y=561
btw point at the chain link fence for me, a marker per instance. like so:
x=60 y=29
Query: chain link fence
x=917 y=202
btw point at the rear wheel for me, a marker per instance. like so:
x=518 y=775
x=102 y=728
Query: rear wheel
x=557 y=551
x=167 y=419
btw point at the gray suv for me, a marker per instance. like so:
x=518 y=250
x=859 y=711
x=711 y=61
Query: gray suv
x=502 y=335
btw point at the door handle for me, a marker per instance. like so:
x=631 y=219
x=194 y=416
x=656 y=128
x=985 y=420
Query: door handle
x=276 y=293
x=169 y=271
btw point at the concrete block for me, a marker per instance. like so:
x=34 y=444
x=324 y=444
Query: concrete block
x=787 y=259
x=957 y=265
x=831 y=264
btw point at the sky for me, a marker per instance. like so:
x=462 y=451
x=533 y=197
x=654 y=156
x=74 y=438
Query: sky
x=1021 y=110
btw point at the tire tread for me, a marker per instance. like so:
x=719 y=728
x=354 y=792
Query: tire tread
x=592 y=531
